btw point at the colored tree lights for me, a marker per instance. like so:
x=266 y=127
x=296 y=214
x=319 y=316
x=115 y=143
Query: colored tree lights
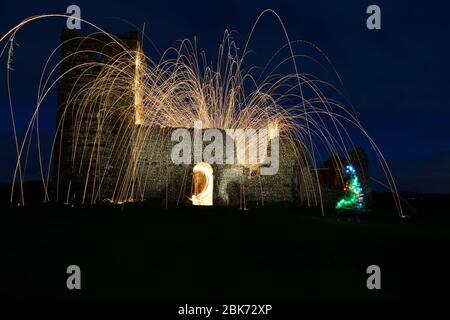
x=353 y=198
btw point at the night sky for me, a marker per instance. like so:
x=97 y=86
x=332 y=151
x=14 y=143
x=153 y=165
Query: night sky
x=397 y=78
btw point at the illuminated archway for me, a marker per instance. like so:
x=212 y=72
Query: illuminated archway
x=203 y=185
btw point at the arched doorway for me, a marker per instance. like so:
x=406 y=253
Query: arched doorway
x=203 y=184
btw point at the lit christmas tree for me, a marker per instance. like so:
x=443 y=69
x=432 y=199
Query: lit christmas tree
x=353 y=198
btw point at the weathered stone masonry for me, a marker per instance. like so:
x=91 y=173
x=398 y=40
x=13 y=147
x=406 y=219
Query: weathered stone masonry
x=98 y=154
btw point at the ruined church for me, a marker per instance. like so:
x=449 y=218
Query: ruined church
x=103 y=154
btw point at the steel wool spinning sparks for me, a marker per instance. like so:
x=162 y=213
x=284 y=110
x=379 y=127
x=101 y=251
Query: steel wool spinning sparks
x=118 y=108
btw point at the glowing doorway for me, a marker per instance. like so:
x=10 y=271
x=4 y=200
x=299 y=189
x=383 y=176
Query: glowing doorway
x=203 y=185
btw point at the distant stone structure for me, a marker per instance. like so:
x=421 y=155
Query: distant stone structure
x=78 y=122
x=115 y=163
x=330 y=175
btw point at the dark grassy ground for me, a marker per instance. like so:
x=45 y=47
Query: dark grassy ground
x=141 y=251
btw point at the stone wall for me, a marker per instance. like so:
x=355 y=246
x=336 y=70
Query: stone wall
x=90 y=154
x=100 y=152
x=234 y=184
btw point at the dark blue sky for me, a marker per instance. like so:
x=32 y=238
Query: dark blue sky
x=397 y=78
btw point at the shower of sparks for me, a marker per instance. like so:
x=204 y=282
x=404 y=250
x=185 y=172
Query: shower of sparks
x=139 y=95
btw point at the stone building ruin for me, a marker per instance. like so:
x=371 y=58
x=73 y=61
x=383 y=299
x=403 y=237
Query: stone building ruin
x=119 y=159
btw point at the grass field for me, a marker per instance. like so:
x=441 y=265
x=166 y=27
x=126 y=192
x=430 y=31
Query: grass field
x=142 y=251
